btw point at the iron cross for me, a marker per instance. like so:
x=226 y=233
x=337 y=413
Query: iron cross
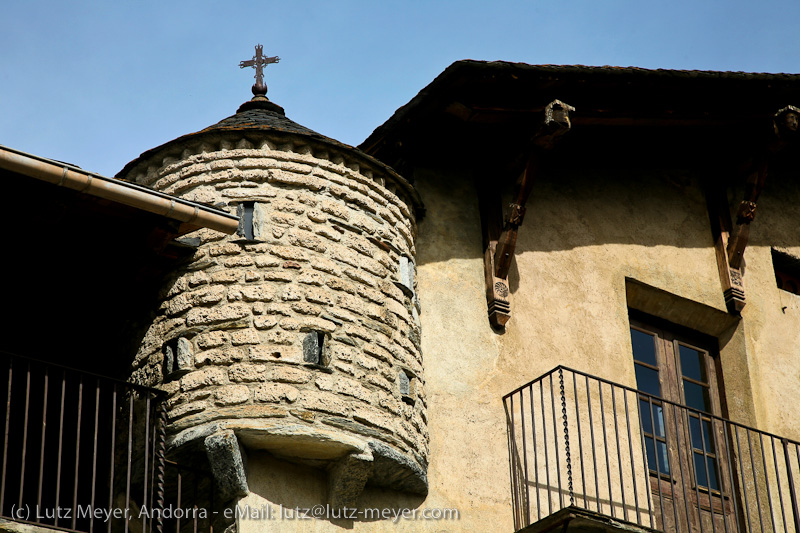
x=259 y=61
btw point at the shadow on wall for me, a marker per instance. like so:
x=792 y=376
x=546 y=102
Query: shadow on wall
x=598 y=199
x=286 y=487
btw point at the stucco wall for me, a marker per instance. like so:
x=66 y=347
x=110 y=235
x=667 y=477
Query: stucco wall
x=772 y=316
x=587 y=239
x=583 y=236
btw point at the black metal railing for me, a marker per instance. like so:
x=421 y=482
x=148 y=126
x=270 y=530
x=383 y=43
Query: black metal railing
x=81 y=452
x=579 y=440
x=190 y=503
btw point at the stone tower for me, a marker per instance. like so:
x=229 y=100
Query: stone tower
x=300 y=334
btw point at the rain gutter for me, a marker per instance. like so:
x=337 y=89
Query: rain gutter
x=130 y=194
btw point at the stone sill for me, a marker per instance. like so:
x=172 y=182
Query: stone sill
x=321 y=368
x=578 y=520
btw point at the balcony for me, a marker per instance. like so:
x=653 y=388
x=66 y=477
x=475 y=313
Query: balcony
x=589 y=453
x=85 y=453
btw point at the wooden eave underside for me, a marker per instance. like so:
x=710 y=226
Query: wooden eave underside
x=487 y=105
x=599 y=117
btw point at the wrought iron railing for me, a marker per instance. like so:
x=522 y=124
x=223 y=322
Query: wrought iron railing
x=81 y=452
x=579 y=440
x=190 y=503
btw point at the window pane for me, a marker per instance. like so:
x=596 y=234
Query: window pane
x=651 y=453
x=644 y=347
x=708 y=436
x=693 y=363
x=700 y=470
x=647 y=422
x=658 y=412
x=697 y=396
x=694 y=429
x=663 y=463
x=647 y=419
x=647 y=380
x=663 y=459
x=705 y=478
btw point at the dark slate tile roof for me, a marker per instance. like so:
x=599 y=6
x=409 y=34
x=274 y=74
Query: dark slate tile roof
x=256 y=115
x=587 y=70
x=261 y=115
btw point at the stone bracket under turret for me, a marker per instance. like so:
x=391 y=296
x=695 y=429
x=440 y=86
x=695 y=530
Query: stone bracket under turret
x=499 y=245
x=730 y=240
x=227 y=464
x=347 y=478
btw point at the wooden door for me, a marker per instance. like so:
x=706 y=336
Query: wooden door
x=685 y=443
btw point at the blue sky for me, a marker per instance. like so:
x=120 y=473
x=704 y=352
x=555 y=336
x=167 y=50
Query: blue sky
x=97 y=83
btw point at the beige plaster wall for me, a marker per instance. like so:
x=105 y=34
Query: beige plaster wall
x=283 y=495
x=583 y=236
x=589 y=240
x=772 y=316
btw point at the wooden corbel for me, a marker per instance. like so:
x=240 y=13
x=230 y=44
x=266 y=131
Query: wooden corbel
x=499 y=244
x=730 y=278
x=730 y=240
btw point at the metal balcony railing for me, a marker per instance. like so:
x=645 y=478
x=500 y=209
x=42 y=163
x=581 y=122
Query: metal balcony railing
x=579 y=440
x=81 y=452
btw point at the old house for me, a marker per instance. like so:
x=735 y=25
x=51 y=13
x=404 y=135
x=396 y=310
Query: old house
x=537 y=297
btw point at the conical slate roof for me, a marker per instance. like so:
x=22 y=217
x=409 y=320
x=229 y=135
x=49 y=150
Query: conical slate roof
x=261 y=114
x=258 y=114
x=257 y=117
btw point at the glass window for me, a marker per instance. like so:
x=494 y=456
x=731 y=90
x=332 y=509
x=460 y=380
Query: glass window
x=678 y=368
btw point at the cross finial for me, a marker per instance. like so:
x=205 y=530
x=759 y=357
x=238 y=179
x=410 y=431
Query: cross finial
x=259 y=61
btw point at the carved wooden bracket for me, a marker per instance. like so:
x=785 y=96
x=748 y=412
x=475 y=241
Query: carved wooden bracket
x=498 y=293
x=730 y=241
x=499 y=246
x=731 y=278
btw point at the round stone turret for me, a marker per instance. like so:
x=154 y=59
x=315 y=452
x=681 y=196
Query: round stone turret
x=300 y=334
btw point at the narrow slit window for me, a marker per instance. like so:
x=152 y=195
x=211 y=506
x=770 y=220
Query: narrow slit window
x=246 y=228
x=170 y=351
x=313 y=345
x=178 y=357
x=405 y=274
x=406 y=383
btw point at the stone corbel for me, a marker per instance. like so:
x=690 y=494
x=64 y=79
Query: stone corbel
x=347 y=478
x=500 y=244
x=730 y=240
x=227 y=464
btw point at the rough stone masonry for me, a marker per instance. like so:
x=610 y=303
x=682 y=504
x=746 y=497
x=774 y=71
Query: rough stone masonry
x=301 y=334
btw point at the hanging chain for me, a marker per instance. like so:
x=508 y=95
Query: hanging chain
x=566 y=435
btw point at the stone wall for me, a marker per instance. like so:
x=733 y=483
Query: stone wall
x=310 y=326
